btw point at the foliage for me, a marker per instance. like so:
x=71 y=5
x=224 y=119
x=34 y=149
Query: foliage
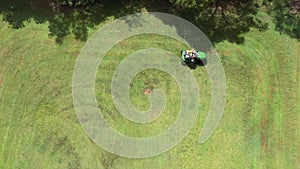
x=75 y=2
x=287 y=16
x=219 y=19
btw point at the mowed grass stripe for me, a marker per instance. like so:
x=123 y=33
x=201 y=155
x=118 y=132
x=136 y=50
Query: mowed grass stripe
x=248 y=56
x=286 y=118
x=298 y=109
x=7 y=112
x=267 y=111
x=279 y=144
x=270 y=107
x=251 y=50
x=297 y=130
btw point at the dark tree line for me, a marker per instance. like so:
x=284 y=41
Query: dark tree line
x=287 y=16
x=219 y=19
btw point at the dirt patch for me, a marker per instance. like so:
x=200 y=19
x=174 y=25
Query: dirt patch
x=239 y=51
x=225 y=53
x=147 y=91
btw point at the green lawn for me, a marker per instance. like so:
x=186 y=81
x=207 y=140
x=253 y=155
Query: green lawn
x=39 y=129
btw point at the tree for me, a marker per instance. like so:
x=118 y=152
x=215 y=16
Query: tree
x=221 y=19
x=218 y=19
x=286 y=15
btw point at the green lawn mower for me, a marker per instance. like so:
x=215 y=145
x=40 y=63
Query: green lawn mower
x=192 y=58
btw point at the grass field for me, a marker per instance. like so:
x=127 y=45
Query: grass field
x=39 y=129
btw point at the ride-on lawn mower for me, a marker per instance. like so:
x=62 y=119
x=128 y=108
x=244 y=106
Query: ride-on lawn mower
x=192 y=58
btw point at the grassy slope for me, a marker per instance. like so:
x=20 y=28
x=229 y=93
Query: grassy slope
x=39 y=129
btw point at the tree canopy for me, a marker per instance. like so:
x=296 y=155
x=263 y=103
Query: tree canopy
x=287 y=16
x=219 y=19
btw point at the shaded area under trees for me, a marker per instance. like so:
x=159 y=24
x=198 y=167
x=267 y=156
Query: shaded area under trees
x=218 y=19
x=286 y=15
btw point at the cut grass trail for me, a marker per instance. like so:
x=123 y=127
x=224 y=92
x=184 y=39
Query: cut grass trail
x=39 y=129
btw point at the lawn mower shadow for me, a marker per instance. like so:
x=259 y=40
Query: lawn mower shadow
x=194 y=65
